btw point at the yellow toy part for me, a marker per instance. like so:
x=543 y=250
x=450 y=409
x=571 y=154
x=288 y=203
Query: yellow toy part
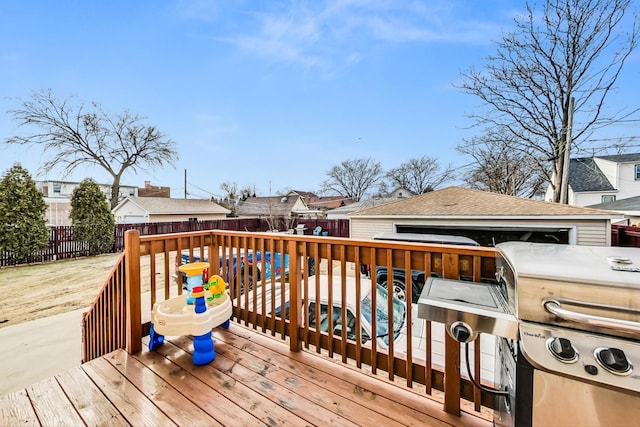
x=194 y=268
x=217 y=286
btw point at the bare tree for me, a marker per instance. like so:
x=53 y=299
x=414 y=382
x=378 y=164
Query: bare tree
x=230 y=197
x=570 y=49
x=78 y=135
x=500 y=168
x=420 y=174
x=353 y=178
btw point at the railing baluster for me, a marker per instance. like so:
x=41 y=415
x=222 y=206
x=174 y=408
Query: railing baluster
x=356 y=260
x=343 y=309
x=409 y=318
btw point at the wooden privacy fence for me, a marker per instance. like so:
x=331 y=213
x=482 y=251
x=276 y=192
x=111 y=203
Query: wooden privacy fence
x=274 y=302
x=625 y=235
x=62 y=244
x=334 y=227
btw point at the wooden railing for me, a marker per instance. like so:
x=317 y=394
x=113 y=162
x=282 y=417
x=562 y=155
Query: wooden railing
x=334 y=259
x=104 y=325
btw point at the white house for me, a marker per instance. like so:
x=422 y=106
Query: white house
x=134 y=210
x=57 y=195
x=602 y=179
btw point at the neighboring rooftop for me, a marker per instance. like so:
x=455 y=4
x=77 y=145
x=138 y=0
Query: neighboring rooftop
x=268 y=206
x=328 y=202
x=163 y=205
x=585 y=175
x=363 y=204
x=464 y=202
x=622 y=158
x=628 y=204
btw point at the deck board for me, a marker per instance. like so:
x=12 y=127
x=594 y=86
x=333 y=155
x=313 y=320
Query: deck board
x=164 y=395
x=131 y=403
x=294 y=403
x=254 y=380
x=261 y=407
x=322 y=388
x=92 y=405
x=219 y=405
x=51 y=404
x=17 y=408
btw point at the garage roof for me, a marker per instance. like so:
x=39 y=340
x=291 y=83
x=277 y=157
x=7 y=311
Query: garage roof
x=166 y=206
x=464 y=202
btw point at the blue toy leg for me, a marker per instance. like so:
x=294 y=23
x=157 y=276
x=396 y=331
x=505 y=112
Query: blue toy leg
x=203 y=351
x=154 y=339
x=226 y=324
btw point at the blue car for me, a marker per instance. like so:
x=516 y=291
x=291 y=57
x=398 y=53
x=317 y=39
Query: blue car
x=279 y=267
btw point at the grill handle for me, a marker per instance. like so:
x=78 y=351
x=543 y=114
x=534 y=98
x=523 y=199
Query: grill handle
x=554 y=307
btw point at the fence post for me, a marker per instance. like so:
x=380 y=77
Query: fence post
x=133 y=300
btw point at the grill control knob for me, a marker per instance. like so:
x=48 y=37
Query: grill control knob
x=562 y=349
x=613 y=360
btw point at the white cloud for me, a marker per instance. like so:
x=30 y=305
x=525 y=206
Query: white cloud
x=336 y=34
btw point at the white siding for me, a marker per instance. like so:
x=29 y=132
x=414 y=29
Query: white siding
x=627 y=184
x=367 y=228
x=129 y=209
x=594 y=234
x=592 y=198
x=610 y=170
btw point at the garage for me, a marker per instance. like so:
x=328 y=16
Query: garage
x=487 y=218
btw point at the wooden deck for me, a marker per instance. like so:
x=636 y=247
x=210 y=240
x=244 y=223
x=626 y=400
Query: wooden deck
x=254 y=380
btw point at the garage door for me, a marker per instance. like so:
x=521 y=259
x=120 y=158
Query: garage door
x=491 y=236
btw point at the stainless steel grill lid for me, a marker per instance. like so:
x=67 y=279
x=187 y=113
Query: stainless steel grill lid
x=587 y=265
x=593 y=288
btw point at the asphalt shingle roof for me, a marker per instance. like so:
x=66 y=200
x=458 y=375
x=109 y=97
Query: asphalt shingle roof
x=622 y=158
x=628 y=204
x=585 y=175
x=260 y=206
x=163 y=205
x=464 y=202
x=363 y=204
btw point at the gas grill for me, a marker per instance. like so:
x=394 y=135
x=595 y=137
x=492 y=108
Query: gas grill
x=574 y=357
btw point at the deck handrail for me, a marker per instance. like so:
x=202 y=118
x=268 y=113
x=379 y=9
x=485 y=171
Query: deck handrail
x=335 y=253
x=104 y=323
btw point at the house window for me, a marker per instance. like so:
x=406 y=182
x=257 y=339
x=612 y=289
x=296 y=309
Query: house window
x=637 y=172
x=609 y=198
x=57 y=186
x=193 y=219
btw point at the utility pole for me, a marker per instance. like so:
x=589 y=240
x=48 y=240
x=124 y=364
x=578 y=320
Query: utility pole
x=185 y=184
x=564 y=188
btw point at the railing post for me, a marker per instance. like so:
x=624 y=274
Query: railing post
x=451 y=348
x=295 y=303
x=133 y=303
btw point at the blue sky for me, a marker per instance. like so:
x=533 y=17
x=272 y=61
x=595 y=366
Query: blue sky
x=270 y=94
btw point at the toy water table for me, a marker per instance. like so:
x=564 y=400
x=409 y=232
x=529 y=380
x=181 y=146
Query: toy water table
x=196 y=313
